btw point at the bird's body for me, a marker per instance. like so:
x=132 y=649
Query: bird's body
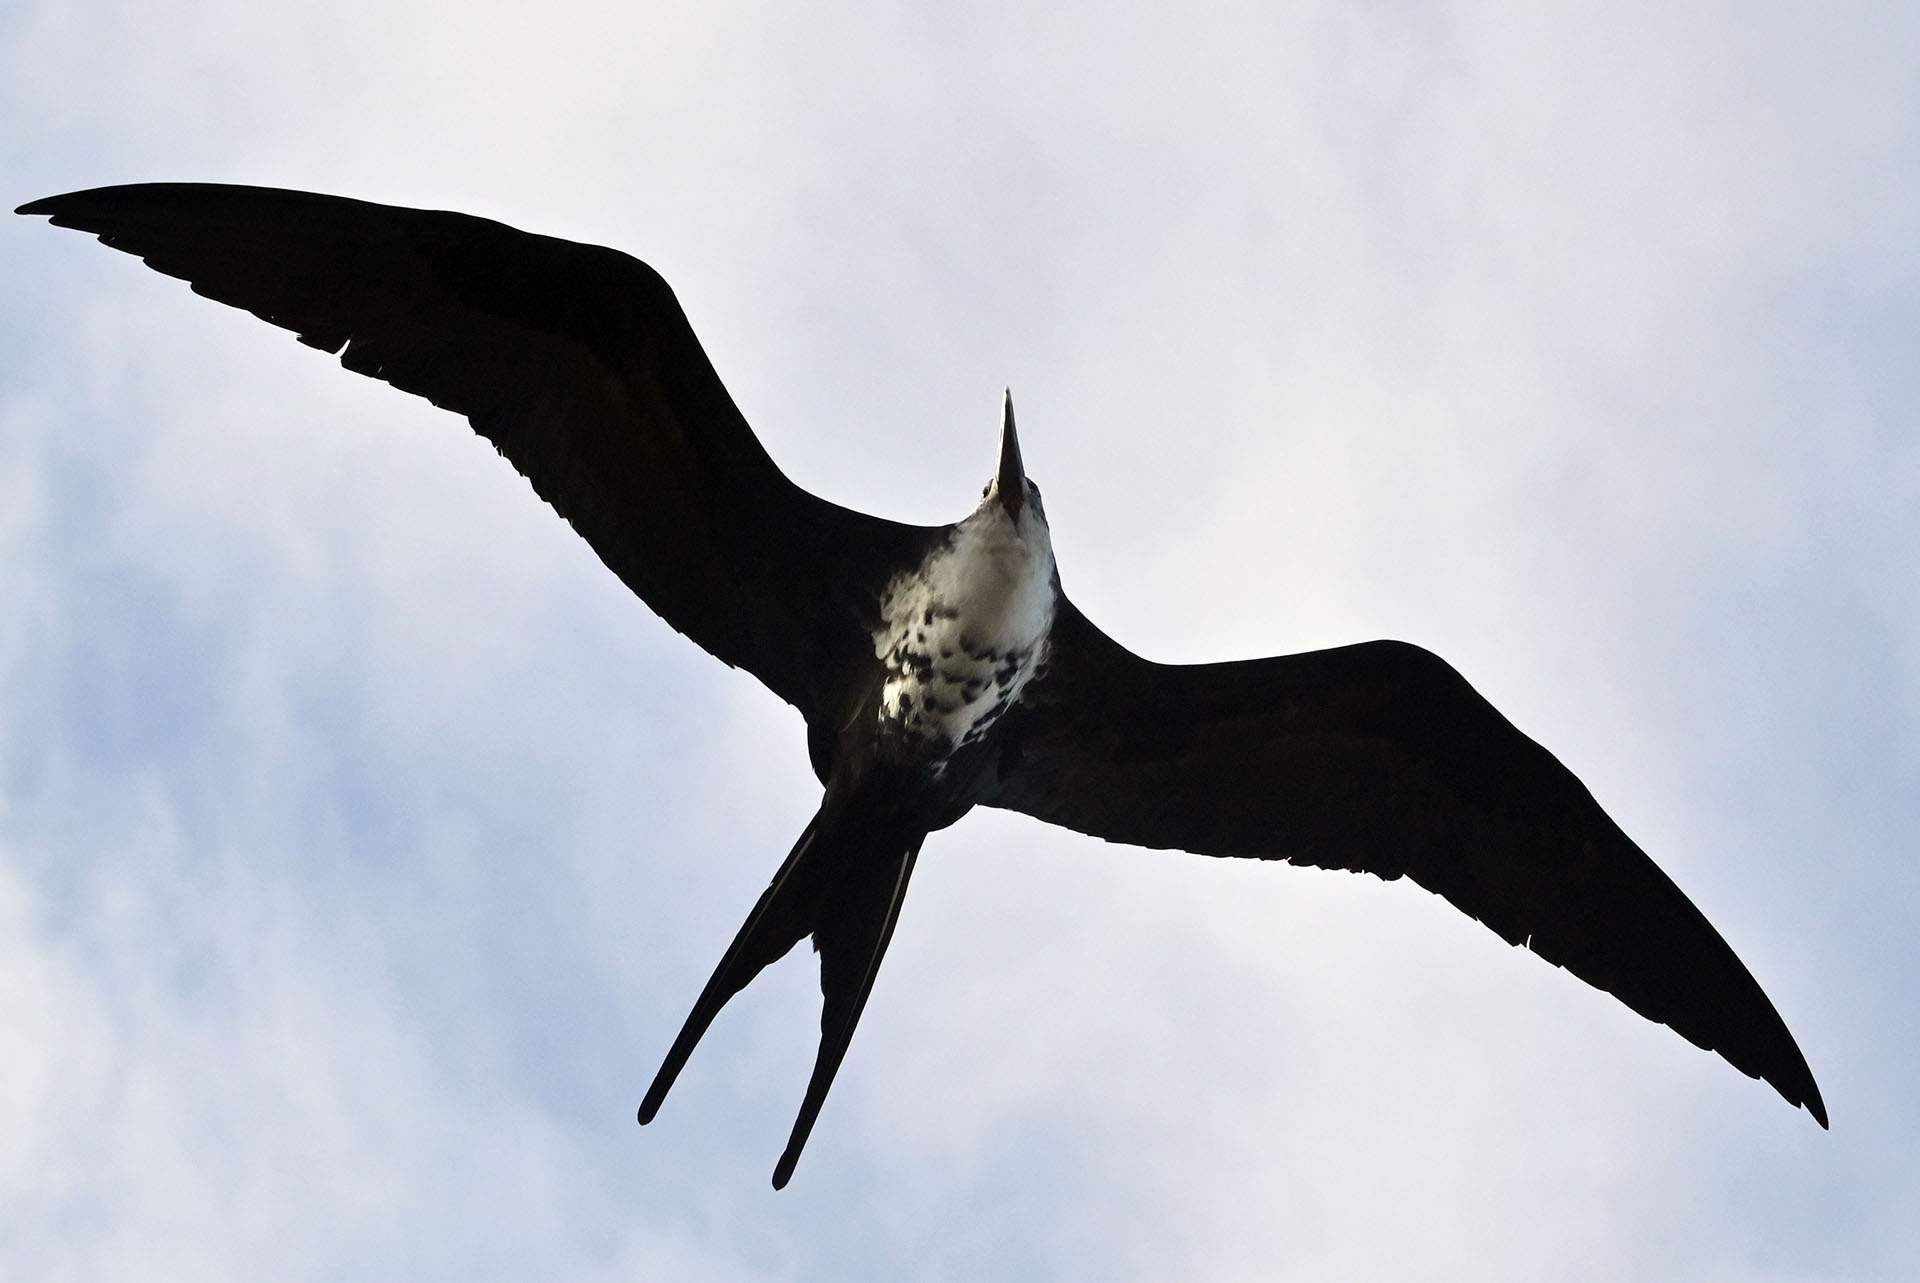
x=939 y=668
x=961 y=630
x=962 y=633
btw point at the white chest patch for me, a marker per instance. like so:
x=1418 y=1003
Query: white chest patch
x=962 y=634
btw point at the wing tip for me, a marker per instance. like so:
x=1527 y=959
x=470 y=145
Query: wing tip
x=1797 y=1089
x=1794 y=1081
x=69 y=210
x=62 y=205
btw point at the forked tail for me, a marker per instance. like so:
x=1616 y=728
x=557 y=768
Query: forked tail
x=843 y=884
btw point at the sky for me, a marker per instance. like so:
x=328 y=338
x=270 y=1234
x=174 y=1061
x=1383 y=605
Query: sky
x=363 y=842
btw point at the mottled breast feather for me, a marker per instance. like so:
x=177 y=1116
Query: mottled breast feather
x=962 y=633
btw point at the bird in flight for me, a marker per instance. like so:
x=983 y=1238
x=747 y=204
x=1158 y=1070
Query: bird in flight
x=938 y=668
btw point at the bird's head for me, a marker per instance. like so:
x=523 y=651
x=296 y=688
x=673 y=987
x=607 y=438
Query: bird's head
x=1010 y=490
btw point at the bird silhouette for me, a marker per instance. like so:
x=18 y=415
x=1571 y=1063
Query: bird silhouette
x=938 y=668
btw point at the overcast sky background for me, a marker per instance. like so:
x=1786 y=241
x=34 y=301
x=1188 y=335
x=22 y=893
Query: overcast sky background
x=363 y=842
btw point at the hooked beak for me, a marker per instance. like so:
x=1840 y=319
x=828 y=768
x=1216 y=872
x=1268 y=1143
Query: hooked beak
x=1010 y=483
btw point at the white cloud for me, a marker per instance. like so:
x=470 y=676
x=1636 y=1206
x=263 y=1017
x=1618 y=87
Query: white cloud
x=362 y=843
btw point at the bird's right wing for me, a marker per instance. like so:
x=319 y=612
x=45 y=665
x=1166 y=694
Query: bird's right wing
x=1380 y=758
x=577 y=363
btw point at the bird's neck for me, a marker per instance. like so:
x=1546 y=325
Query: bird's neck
x=963 y=632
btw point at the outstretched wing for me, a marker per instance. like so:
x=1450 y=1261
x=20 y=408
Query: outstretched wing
x=1380 y=758
x=577 y=363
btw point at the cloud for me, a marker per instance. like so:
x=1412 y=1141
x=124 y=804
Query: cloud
x=362 y=842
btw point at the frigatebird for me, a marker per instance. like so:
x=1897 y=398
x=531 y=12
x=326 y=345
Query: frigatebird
x=938 y=668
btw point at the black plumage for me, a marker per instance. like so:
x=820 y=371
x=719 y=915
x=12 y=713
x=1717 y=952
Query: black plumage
x=577 y=363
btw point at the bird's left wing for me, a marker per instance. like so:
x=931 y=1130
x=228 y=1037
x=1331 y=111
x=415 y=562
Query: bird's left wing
x=578 y=364
x=1380 y=758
